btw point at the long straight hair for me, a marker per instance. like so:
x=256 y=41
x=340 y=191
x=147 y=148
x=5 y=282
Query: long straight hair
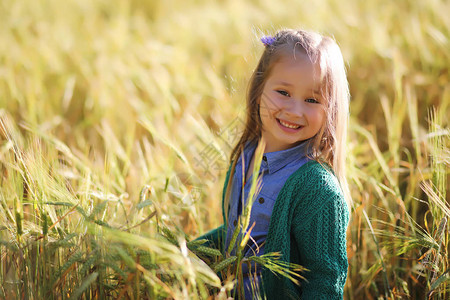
x=329 y=144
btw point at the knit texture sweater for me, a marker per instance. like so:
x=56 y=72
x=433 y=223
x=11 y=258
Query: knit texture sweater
x=308 y=227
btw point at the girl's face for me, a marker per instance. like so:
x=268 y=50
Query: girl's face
x=291 y=105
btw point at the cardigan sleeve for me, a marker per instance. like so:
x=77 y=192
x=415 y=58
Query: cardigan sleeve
x=320 y=237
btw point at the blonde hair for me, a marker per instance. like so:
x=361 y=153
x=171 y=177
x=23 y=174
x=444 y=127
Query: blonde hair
x=329 y=144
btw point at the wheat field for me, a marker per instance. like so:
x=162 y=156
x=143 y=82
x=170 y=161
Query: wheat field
x=117 y=119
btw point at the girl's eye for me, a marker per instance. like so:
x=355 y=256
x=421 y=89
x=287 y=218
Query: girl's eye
x=311 y=100
x=284 y=93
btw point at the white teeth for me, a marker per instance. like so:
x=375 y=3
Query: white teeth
x=288 y=125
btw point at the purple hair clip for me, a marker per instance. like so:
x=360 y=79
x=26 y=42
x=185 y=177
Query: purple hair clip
x=267 y=40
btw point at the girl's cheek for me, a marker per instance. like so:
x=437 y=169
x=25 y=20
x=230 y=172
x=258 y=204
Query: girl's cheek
x=269 y=103
x=275 y=102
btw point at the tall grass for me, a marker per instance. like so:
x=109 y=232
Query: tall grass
x=116 y=122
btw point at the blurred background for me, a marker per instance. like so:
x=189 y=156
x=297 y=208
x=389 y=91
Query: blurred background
x=117 y=119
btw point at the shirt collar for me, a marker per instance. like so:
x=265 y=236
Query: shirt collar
x=249 y=149
x=275 y=160
x=278 y=159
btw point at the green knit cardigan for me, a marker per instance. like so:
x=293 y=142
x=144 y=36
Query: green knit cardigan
x=308 y=227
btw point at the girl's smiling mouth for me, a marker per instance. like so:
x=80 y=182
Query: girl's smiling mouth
x=289 y=126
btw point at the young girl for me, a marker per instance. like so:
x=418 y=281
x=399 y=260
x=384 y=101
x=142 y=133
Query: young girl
x=297 y=104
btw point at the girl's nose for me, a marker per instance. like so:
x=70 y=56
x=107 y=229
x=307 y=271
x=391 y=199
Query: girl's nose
x=294 y=110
